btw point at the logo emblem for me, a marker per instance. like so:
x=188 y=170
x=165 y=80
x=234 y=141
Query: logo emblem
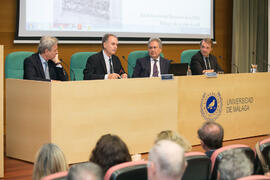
x=211 y=106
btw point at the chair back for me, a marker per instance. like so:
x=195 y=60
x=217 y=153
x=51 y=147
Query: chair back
x=219 y=154
x=186 y=55
x=264 y=148
x=254 y=177
x=198 y=166
x=135 y=170
x=77 y=65
x=132 y=58
x=14 y=64
x=56 y=176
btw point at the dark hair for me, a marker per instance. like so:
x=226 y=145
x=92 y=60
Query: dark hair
x=210 y=136
x=106 y=37
x=109 y=151
x=207 y=41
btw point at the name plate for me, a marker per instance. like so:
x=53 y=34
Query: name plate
x=166 y=76
x=211 y=74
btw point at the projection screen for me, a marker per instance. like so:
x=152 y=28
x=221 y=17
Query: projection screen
x=133 y=21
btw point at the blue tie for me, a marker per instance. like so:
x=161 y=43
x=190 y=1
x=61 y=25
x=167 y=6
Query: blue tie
x=47 y=74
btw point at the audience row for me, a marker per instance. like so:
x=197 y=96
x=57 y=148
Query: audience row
x=166 y=159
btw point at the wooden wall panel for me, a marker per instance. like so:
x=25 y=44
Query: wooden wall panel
x=223 y=23
x=1 y=112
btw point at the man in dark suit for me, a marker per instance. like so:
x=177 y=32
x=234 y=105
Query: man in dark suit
x=44 y=65
x=105 y=65
x=203 y=61
x=152 y=65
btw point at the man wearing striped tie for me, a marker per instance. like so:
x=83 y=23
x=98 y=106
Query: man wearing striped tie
x=152 y=65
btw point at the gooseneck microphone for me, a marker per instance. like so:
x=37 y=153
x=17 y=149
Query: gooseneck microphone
x=71 y=70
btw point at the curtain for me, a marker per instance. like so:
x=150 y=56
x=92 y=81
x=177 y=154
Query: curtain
x=250 y=35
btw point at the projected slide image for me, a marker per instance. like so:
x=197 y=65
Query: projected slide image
x=125 y=18
x=82 y=15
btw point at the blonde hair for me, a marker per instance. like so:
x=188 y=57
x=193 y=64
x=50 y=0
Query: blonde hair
x=175 y=137
x=49 y=160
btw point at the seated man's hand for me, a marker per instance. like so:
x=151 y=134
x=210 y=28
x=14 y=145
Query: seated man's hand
x=124 y=76
x=113 y=76
x=56 y=59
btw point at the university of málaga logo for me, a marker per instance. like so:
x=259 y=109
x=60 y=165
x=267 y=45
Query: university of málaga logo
x=211 y=106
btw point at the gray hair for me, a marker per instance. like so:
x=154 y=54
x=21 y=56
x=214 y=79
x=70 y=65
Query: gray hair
x=168 y=158
x=235 y=164
x=106 y=37
x=83 y=171
x=157 y=40
x=46 y=42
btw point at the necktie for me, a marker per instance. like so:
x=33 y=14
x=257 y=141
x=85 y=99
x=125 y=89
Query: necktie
x=111 y=68
x=47 y=74
x=207 y=63
x=155 y=69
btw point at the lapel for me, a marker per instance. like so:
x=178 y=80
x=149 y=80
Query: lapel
x=40 y=67
x=202 y=61
x=148 y=65
x=162 y=65
x=51 y=66
x=211 y=62
x=102 y=61
x=114 y=63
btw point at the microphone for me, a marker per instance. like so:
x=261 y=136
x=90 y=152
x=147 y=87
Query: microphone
x=237 y=68
x=71 y=71
x=268 y=66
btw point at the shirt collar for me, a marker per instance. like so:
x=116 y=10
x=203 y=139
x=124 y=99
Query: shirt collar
x=42 y=59
x=105 y=56
x=155 y=59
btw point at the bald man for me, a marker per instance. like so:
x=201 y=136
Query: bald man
x=211 y=136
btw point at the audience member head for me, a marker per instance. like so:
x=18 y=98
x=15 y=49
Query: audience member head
x=109 y=44
x=48 y=47
x=175 y=137
x=85 y=171
x=109 y=151
x=154 y=47
x=234 y=164
x=206 y=46
x=166 y=161
x=211 y=135
x=49 y=160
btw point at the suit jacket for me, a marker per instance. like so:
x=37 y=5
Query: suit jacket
x=197 y=64
x=143 y=67
x=96 y=68
x=33 y=69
